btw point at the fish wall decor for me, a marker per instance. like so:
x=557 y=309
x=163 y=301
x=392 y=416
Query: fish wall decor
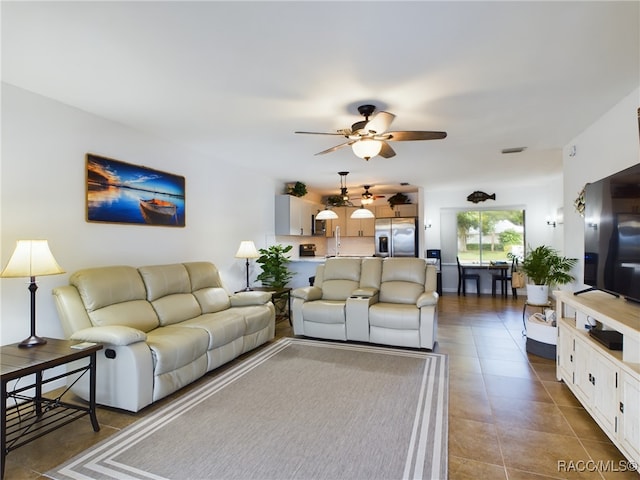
x=478 y=196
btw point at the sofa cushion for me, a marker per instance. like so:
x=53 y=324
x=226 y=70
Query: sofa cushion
x=138 y=314
x=203 y=275
x=212 y=299
x=395 y=316
x=174 y=347
x=102 y=286
x=221 y=327
x=323 y=311
x=403 y=280
x=176 y=308
x=341 y=277
x=163 y=280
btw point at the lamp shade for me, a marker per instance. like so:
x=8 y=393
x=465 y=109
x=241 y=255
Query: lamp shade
x=362 y=213
x=31 y=258
x=247 y=249
x=326 y=214
x=367 y=148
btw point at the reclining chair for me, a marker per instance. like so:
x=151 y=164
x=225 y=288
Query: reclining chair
x=343 y=288
x=406 y=313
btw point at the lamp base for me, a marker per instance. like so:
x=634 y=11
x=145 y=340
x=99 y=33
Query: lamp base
x=248 y=289
x=32 y=341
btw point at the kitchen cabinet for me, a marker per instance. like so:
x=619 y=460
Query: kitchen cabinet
x=350 y=227
x=405 y=210
x=606 y=382
x=341 y=222
x=359 y=227
x=294 y=215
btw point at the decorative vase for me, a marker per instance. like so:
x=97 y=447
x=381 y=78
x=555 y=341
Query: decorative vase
x=537 y=294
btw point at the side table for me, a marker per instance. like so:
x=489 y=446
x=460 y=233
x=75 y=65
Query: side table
x=33 y=414
x=277 y=293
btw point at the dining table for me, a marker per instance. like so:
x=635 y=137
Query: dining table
x=501 y=267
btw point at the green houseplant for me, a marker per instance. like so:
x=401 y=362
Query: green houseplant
x=297 y=189
x=544 y=267
x=273 y=260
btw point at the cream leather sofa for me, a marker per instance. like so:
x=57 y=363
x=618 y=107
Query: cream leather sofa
x=162 y=327
x=391 y=301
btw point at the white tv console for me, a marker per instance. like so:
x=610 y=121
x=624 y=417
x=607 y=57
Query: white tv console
x=606 y=382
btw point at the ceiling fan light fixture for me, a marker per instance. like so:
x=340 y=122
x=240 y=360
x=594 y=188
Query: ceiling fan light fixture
x=367 y=148
x=326 y=214
x=362 y=213
x=367 y=196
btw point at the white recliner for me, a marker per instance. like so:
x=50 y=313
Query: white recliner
x=406 y=313
x=319 y=311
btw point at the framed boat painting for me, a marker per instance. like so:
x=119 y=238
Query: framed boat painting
x=119 y=192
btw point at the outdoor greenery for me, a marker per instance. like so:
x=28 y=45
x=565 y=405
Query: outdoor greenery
x=478 y=239
x=545 y=266
x=273 y=260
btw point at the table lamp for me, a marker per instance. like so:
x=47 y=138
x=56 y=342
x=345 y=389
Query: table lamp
x=31 y=258
x=247 y=250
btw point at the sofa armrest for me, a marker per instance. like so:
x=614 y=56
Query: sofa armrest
x=365 y=292
x=427 y=298
x=111 y=335
x=307 y=294
x=244 y=299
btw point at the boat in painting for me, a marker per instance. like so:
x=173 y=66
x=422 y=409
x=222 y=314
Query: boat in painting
x=159 y=212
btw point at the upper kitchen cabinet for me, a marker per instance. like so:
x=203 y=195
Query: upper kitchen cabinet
x=350 y=227
x=294 y=215
x=359 y=227
x=405 y=210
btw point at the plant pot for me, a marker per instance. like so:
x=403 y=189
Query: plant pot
x=537 y=294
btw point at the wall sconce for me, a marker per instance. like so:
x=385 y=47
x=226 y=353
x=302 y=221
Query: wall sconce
x=551 y=223
x=428 y=224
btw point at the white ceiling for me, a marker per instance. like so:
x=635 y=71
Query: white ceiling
x=235 y=79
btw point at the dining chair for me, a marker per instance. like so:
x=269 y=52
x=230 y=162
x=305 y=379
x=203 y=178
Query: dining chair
x=463 y=277
x=504 y=279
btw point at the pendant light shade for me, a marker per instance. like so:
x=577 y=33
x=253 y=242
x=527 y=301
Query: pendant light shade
x=362 y=213
x=326 y=214
x=367 y=148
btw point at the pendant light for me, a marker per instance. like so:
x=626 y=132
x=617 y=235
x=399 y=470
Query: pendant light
x=326 y=214
x=362 y=213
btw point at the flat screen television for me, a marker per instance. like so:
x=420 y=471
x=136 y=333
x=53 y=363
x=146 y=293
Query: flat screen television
x=612 y=234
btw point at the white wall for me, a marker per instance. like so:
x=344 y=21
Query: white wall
x=609 y=145
x=42 y=193
x=539 y=203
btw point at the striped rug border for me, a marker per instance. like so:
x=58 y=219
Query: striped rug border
x=432 y=410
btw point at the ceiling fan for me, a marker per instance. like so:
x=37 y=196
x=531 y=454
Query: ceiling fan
x=367 y=197
x=369 y=138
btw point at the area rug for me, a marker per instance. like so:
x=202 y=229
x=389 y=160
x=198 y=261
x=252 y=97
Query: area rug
x=297 y=409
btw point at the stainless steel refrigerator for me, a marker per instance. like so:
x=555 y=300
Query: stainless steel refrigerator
x=396 y=237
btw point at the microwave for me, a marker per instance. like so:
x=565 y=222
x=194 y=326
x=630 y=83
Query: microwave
x=318 y=227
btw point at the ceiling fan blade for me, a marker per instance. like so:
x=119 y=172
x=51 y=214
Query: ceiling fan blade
x=416 y=135
x=333 y=149
x=320 y=133
x=380 y=122
x=387 y=151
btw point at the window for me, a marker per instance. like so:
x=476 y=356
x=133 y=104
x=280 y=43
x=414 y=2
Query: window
x=485 y=236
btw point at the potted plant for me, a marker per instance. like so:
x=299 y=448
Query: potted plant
x=398 y=199
x=297 y=189
x=273 y=260
x=544 y=267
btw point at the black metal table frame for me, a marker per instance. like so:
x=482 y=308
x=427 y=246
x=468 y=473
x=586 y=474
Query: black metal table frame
x=35 y=415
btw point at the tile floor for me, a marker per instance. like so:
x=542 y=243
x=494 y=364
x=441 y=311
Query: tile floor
x=508 y=416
